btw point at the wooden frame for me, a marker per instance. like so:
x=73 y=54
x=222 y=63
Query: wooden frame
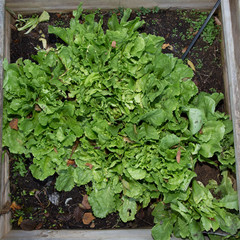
x=231 y=28
x=62 y=5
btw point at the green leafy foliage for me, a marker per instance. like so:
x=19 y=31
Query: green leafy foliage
x=110 y=109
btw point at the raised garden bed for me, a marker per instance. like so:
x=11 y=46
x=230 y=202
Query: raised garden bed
x=172 y=48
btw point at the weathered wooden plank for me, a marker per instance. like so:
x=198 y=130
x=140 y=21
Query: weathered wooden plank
x=4 y=163
x=230 y=13
x=63 y=5
x=138 y=234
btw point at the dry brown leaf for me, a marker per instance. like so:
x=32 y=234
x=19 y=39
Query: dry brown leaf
x=92 y=225
x=74 y=147
x=178 y=157
x=195 y=33
x=55 y=150
x=28 y=225
x=14 y=124
x=165 y=45
x=191 y=65
x=89 y=165
x=6 y=208
x=85 y=202
x=184 y=49
x=170 y=47
x=87 y=218
x=126 y=139
x=114 y=44
x=37 y=108
x=217 y=21
x=14 y=206
x=78 y=214
x=39 y=226
x=20 y=220
x=70 y=162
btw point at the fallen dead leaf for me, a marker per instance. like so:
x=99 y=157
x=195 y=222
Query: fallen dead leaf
x=195 y=33
x=191 y=65
x=89 y=165
x=126 y=139
x=14 y=124
x=92 y=225
x=37 y=108
x=184 y=49
x=39 y=226
x=6 y=208
x=170 y=47
x=74 y=148
x=114 y=44
x=20 y=220
x=14 y=206
x=70 y=162
x=87 y=218
x=217 y=21
x=85 y=202
x=178 y=157
x=44 y=42
x=78 y=214
x=58 y=15
x=28 y=225
x=165 y=45
x=55 y=150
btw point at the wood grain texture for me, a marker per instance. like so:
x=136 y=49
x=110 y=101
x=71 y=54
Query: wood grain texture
x=63 y=5
x=230 y=14
x=129 y=234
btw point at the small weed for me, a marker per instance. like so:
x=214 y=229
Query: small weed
x=145 y=11
x=60 y=210
x=195 y=19
x=59 y=23
x=19 y=167
x=199 y=64
x=154 y=21
x=97 y=11
x=155 y=10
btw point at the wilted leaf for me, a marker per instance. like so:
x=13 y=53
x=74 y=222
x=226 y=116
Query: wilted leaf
x=92 y=225
x=14 y=124
x=178 y=157
x=14 y=206
x=74 y=147
x=85 y=202
x=191 y=65
x=78 y=214
x=89 y=165
x=39 y=226
x=44 y=42
x=113 y=44
x=28 y=225
x=37 y=108
x=70 y=162
x=87 y=218
x=217 y=21
x=6 y=208
x=184 y=49
x=165 y=45
x=126 y=139
x=20 y=220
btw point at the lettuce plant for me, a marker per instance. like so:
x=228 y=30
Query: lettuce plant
x=110 y=109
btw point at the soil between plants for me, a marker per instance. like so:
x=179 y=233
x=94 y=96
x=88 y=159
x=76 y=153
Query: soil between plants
x=37 y=211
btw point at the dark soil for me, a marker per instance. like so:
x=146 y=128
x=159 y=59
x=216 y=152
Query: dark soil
x=33 y=195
